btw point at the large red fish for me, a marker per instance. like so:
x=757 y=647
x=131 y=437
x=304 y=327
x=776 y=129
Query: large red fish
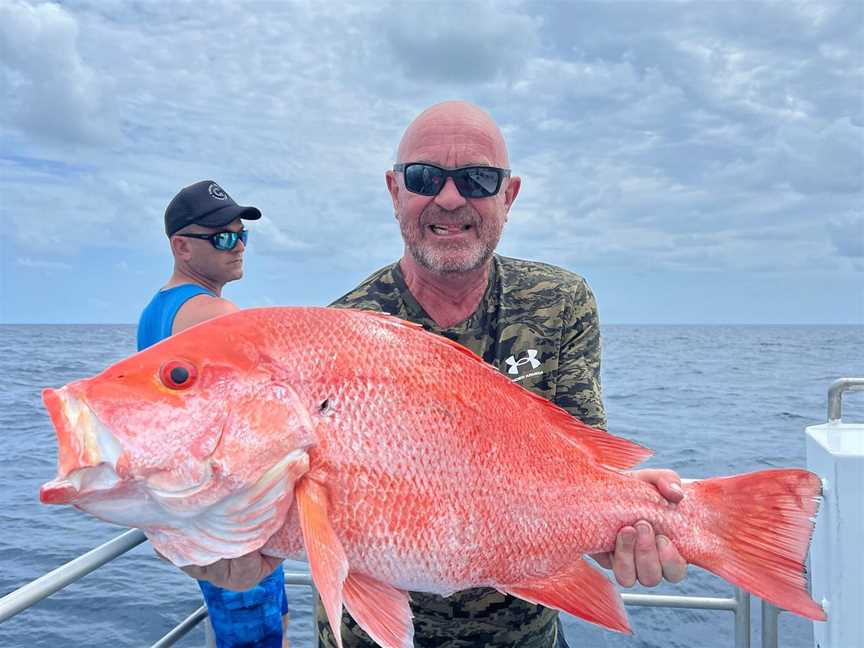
x=398 y=461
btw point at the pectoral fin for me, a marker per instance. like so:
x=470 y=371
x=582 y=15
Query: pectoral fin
x=381 y=610
x=581 y=591
x=327 y=560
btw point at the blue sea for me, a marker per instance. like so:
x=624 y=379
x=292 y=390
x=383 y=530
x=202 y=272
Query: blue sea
x=709 y=400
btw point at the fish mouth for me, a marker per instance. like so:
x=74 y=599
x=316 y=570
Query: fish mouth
x=87 y=450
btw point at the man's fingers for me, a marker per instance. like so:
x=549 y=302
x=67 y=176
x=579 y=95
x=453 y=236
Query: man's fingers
x=623 y=565
x=667 y=482
x=196 y=572
x=236 y=574
x=603 y=559
x=648 y=568
x=245 y=572
x=670 y=487
x=674 y=566
x=271 y=563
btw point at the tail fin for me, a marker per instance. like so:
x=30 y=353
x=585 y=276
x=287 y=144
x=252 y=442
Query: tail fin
x=758 y=534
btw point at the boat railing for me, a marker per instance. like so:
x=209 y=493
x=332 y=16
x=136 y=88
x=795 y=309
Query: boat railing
x=46 y=585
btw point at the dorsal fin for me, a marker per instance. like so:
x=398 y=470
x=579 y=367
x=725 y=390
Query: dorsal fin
x=398 y=322
x=604 y=448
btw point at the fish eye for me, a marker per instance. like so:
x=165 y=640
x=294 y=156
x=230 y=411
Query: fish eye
x=178 y=374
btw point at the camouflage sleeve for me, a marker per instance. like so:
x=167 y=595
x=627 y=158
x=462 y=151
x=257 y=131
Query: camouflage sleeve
x=360 y=300
x=578 y=389
x=375 y=293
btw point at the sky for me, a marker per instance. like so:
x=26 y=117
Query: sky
x=697 y=162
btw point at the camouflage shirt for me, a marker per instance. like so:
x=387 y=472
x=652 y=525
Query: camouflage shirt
x=538 y=325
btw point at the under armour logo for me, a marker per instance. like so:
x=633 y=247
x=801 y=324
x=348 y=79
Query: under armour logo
x=514 y=364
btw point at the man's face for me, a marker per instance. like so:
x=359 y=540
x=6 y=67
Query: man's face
x=218 y=266
x=449 y=233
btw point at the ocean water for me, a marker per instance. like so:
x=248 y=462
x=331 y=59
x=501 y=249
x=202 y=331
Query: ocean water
x=709 y=400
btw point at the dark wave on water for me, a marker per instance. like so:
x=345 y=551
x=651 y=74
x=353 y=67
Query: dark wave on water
x=709 y=400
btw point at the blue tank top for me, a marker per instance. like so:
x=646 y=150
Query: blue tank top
x=157 y=320
x=250 y=619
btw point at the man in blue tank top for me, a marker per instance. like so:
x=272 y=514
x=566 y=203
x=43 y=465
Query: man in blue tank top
x=205 y=228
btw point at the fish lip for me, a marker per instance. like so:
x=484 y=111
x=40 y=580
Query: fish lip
x=79 y=484
x=58 y=491
x=87 y=451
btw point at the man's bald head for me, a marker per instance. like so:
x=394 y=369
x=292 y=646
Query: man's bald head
x=446 y=233
x=465 y=129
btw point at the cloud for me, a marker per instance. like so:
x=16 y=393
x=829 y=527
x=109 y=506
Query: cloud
x=50 y=92
x=684 y=135
x=809 y=157
x=43 y=264
x=272 y=240
x=465 y=42
x=847 y=236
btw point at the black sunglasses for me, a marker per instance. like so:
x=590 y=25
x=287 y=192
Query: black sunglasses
x=472 y=182
x=222 y=240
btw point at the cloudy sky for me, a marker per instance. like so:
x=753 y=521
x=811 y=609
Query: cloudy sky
x=697 y=162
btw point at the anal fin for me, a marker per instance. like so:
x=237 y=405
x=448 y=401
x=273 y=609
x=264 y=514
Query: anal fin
x=380 y=609
x=581 y=591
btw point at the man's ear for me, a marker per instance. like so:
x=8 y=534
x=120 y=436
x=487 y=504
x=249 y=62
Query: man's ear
x=512 y=190
x=179 y=247
x=393 y=188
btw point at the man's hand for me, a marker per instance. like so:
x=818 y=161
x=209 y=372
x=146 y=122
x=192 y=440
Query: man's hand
x=237 y=574
x=641 y=555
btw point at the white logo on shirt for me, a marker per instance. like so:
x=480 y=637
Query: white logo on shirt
x=514 y=364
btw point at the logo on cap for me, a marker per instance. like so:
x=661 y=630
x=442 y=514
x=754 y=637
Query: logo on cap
x=217 y=192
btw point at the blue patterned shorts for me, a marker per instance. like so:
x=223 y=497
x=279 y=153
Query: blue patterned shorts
x=250 y=619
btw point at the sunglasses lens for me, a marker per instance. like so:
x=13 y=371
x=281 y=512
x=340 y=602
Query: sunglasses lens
x=478 y=182
x=424 y=179
x=472 y=182
x=225 y=240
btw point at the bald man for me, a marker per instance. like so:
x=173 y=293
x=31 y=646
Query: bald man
x=452 y=191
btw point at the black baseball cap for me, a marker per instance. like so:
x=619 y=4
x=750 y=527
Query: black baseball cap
x=204 y=203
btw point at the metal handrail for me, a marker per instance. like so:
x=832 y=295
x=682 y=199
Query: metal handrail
x=835 y=395
x=44 y=586
x=770 y=633
x=694 y=602
x=182 y=629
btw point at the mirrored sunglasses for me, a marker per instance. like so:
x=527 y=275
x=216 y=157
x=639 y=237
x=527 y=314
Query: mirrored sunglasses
x=226 y=240
x=471 y=182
